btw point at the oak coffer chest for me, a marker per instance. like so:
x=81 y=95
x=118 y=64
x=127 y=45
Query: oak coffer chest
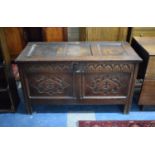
x=78 y=73
x=145 y=47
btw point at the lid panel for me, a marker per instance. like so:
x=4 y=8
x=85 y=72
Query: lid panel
x=108 y=50
x=60 y=50
x=42 y=51
x=78 y=51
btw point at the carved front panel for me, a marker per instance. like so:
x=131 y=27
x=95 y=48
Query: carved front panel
x=107 y=84
x=50 y=80
x=50 y=85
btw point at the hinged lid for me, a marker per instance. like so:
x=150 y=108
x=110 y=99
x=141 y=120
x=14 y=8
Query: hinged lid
x=78 y=51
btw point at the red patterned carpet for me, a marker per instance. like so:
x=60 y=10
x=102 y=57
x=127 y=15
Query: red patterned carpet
x=116 y=123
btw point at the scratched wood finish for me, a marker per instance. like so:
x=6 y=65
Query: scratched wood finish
x=145 y=47
x=78 y=73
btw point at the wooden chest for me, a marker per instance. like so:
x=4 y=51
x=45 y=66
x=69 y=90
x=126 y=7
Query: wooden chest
x=78 y=73
x=145 y=47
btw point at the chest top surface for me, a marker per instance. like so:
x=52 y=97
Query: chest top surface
x=78 y=51
x=148 y=43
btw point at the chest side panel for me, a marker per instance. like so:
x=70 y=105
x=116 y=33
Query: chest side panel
x=150 y=72
x=147 y=96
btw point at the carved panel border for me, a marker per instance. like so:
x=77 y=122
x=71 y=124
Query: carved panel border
x=49 y=67
x=103 y=67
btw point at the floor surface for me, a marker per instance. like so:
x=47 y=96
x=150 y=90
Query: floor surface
x=63 y=116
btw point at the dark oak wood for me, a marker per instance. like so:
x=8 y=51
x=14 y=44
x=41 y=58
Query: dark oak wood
x=8 y=92
x=33 y=34
x=145 y=47
x=144 y=55
x=78 y=73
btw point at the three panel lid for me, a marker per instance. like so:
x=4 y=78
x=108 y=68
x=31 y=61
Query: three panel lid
x=78 y=51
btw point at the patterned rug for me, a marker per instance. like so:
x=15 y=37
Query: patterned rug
x=116 y=123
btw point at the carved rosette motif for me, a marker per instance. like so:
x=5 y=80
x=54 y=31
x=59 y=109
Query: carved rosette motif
x=102 y=67
x=108 y=85
x=50 y=85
